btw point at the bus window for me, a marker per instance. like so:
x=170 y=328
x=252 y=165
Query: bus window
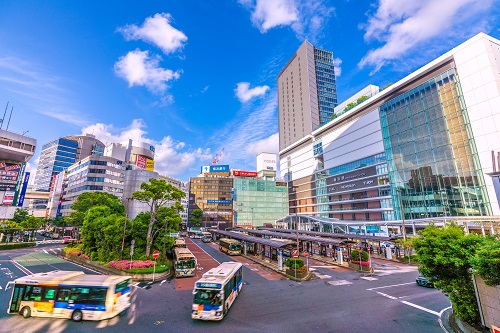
x=63 y=295
x=95 y=296
x=122 y=286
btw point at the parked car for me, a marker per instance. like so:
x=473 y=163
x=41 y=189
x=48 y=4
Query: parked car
x=55 y=235
x=424 y=282
x=387 y=244
x=66 y=239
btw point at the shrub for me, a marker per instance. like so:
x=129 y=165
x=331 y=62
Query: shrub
x=73 y=251
x=11 y=246
x=148 y=270
x=136 y=264
x=294 y=263
x=355 y=255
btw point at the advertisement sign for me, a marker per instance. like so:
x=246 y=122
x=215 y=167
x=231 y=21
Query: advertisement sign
x=23 y=191
x=358 y=184
x=266 y=161
x=215 y=168
x=241 y=173
x=19 y=184
x=220 y=201
x=281 y=184
x=141 y=161
x=9 y=174
x=8 y=198
x=150 y=165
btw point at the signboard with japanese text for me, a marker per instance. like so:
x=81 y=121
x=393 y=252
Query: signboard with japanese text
x=220 y=201
x=241 y=173
x=9 y=175
x=150 y=164
x=8 y=198
x=141 y=161
x=215 y=168
x=20 y=202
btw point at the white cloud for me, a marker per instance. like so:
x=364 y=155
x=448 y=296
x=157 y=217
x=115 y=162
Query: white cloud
x=31 y=168
x=171 y=156
x=268 y=145
x=158 y=31
x=307 y=18
x=336 y=63
x=39 y=90
x=401 y=26
x=244 y=94
x=139 y=69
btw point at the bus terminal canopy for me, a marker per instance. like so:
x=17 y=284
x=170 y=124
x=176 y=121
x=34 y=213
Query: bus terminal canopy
x=289 y=235
x=331 y=235
x=251 y=239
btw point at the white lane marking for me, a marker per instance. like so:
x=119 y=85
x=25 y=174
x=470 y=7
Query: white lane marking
x=136 y=284
x=369 y=278
x=312 y=269
x=393 y=285
x=440 y=321
x=45 y=251
x=325 y=266
x=53 y=251
x=339 y=282
x=205 y=252
x=90 y=269
x=420 y=307
x=22 y=268
x=385 y=295
x=322 y=277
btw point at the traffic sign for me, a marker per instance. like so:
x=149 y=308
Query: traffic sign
x=156 y=254
x=295 y=255
x=306 y=254
x=174 y=234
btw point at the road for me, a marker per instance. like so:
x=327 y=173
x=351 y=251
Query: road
x=335 y=300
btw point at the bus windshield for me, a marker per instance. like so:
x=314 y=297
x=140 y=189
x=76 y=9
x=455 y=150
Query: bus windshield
x=205 y=296
x=183 y=264
x=235 y=246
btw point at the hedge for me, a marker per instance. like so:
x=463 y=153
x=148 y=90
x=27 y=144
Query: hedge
x=12 y=246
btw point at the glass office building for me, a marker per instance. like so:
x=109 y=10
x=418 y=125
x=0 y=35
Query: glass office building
x=258 y=202
x=432 y=159
x=325 y=82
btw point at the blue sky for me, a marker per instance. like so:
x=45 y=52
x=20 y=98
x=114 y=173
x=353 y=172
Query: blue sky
x=194 y=77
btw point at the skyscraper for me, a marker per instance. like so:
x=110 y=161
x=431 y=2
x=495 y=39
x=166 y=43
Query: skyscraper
x=61 y=153
x=307 y=93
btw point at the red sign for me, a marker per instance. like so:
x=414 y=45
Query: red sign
x=156 y=254
x=295 y=255
x=306 y=254
x=241 y=173
x=141 y=161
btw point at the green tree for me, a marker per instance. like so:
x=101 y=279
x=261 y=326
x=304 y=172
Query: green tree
x=196 y=217
x=87 y=200
x=444 y=255
x=32 y=222
x=20 y=215
x=486 y=262
x=156 y=194
x=387 y=86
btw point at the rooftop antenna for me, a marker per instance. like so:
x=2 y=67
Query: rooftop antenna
x=25 y=132
x=1 y=121
x=7 y=128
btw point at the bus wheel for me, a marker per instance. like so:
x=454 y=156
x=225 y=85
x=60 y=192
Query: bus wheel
x=26 y=312
x=76 y=315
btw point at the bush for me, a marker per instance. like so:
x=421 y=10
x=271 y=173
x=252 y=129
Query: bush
x=73 y=251
x=12 y=246
x=136 y=264
x=294 y=263
x=149 y=270
x=355 y=255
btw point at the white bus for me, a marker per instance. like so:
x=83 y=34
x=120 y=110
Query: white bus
x=216 y=291
x=230 y=246
x=70 y=294
x=184 y=262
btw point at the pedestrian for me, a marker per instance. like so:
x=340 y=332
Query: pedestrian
x=371 y=249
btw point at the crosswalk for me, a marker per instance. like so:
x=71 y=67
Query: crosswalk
x=50 y=241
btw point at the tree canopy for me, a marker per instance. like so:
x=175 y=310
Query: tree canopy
x=196 y=217
x=155 y=194
x=88 y=200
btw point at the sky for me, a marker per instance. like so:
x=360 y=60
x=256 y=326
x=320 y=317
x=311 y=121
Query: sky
x=198 y=78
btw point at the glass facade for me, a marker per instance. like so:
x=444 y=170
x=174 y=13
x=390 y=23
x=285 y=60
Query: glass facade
x=325 y=81
x=257 y=201
x=432 y=161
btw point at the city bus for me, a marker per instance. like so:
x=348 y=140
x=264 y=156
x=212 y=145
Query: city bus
x=184 y=262
x=230 y=246
x=70 y=294
x=179 y=242
x=216 y=291
x=207 y=237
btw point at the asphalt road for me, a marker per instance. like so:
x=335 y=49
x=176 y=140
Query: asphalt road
x=335 y=300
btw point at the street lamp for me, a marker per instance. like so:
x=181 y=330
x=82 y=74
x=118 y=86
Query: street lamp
x=402 y=213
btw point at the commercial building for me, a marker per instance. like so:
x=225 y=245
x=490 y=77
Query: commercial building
x=423 y=147
x=92 y=174
x=15 y=151
x=307 y=93
x=211 y=191
x=61 y=153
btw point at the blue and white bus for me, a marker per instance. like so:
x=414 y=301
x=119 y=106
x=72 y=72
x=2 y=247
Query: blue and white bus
x=216 y=291
x=70 y=294
x=184 y=262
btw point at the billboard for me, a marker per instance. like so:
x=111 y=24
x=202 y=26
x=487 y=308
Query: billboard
x=266 y=161
x=241 y=173
x=9 y=175
x=220 y=201
x=150 y=164
x=23 y=190
x=215 y=168
x=8 y=198
x=141 y=161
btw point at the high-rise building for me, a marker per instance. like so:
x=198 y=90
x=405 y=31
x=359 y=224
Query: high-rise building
x=61 y=153
x=307 y=93
x=424 y=147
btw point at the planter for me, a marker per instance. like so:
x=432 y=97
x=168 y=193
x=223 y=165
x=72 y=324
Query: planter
x=300 y=274
x=361 y=268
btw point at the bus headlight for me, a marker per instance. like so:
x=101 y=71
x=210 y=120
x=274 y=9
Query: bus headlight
x=218 y=313
x=195 y=312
